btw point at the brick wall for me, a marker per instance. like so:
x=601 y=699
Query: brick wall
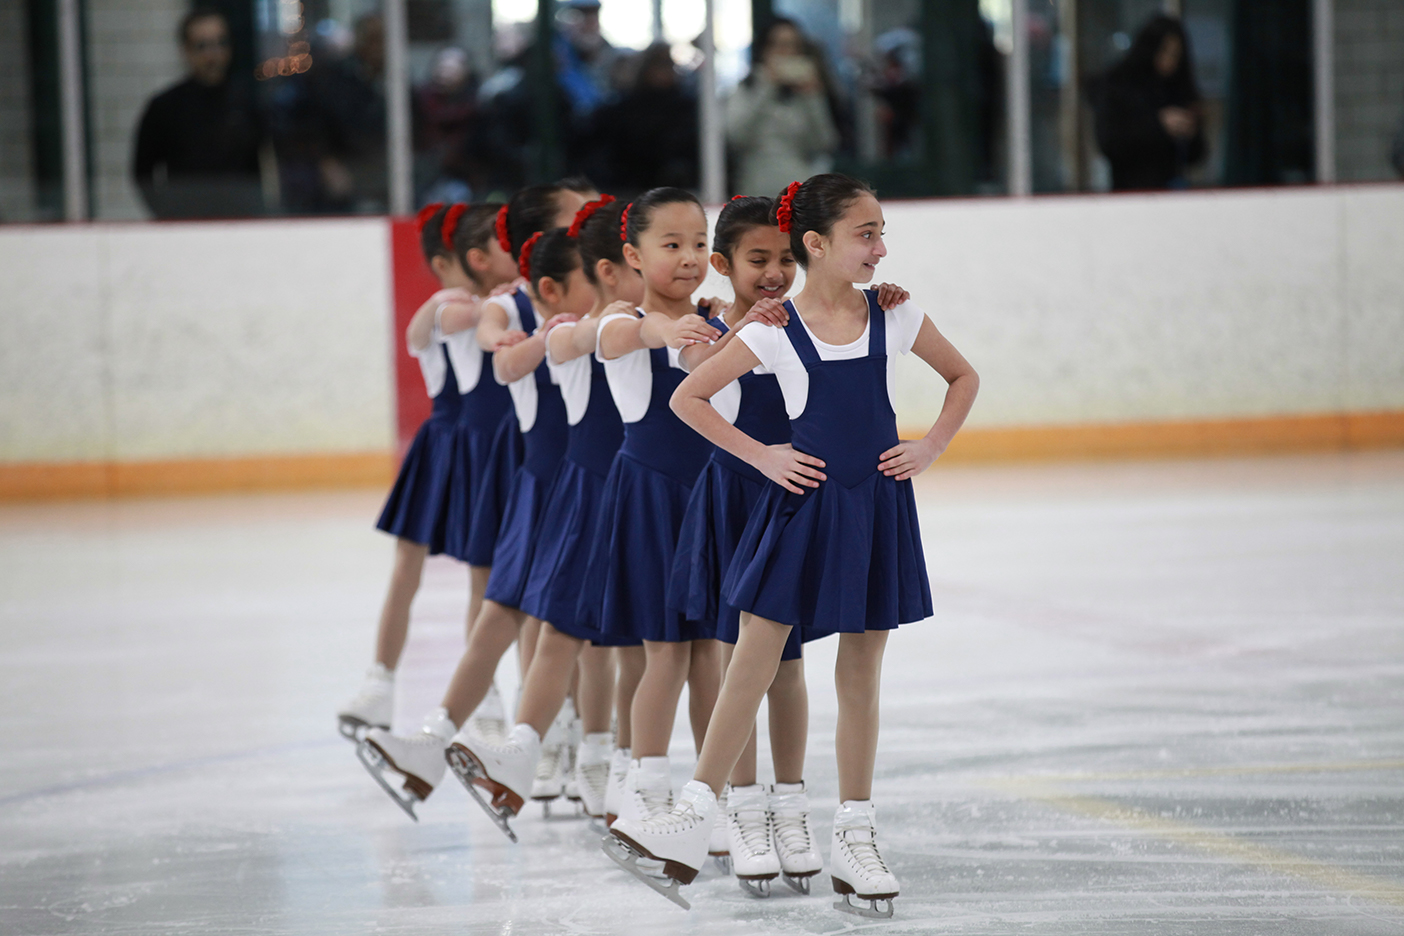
x=1369 y=86
x=132 y=54
x=16 y=154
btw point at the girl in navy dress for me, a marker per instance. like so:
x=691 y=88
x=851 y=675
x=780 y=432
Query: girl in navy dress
x=418 y=510
x=833 y=544
x=509 y=324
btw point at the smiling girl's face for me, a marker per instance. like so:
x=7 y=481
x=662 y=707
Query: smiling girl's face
x=853 y=247
x=672 y=251
x=761 y=265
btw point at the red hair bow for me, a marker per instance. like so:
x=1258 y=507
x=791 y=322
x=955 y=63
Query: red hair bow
x=786 y=207
x=624 y=222
x=425 y=213
x=734 y=197
x=584 y=213
x=524 y=264
x=504 y=240
x=451 y=218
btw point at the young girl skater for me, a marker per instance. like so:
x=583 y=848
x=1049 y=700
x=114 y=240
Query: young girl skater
x=419 y=758
x=833 y=544
x=419 y=510
x=563 y=550
x=765 y=835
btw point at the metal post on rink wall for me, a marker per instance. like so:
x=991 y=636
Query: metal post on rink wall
x=1324 y=88
x=1016 y=83
x=711 y=134
x=72 y=111
x=399 y=158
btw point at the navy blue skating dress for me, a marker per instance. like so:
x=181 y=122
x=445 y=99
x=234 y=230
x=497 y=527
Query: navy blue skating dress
x=641 y=514
x=485 y=403
x=542 y=416
x=418 y=506
x=845 y=556
x=721 y=504
x=504 y=458
x=564 y=547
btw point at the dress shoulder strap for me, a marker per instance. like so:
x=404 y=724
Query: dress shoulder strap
x=799 y=338
x=525 y=310
x=877 y=326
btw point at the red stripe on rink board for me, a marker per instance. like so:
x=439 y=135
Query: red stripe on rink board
x=413 y=283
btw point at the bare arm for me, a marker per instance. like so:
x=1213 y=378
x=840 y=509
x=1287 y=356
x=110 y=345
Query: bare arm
x=420 y=331
x=692 y=401
x=766 y=311
x=512 y=363
x=908 y=459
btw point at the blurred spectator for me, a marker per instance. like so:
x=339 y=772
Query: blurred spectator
x=585 y=61
x=444 y=112
x=779 y=120
x=649 y=137
x=896 y=87
x=197 y=146
x=1148 y=119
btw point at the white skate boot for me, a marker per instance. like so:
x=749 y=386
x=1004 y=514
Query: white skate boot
x=418 y=759
x=502 y=770
x=549 y=782
x=794 y=838
x=753 y=855
x=618 y=780
x=592 y=772
x=856 y=867
x=719 y=846
x=371 y=707
x=678 y=838
x=648 y=789
x=577 y=734
x=489 y=720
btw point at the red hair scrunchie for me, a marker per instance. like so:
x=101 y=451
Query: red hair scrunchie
x=624 y=222
x=786 y=207
x=425 y=213
x=584 y=213
x=504 y=240
x=451 y=219
x=734 y=197
x=524 y=264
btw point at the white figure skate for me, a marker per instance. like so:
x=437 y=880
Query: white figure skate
x=417 y=761
x=503 y=771
x=615 y=788
x=677 y=838
x=719 y=846
x=648 y=789
x=794 y=837
x=574 y=738
x=592 y=772
x=550 y=779
x=753 y=857
x=856 y=867
x=372 y=706
x=489 y=720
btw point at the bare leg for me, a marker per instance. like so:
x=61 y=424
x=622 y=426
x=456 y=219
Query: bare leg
x=704 y=677
x=394 y=613
x=493 y=633
x=526 y=645
x=477 y=587
x=548 y=680
x=789 y=723
x=632 y=663
x=595 y=694
x=750 y=674
x=857 y=679
x=656 y=702
x=744 y=773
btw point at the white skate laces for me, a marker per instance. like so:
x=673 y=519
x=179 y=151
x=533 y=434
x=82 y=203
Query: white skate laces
x=753 y=856
x=794 y=837
x=857 y=867
x=649 y=788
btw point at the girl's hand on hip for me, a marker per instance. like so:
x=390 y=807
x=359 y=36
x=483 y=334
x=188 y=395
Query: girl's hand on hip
x=908 y=459
x=790 y=469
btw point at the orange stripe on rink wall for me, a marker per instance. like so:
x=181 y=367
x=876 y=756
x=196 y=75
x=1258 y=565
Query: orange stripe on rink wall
x=51 y=481
x=1266 y=435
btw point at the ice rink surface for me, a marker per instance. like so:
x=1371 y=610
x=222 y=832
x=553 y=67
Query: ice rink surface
x=1155 y=698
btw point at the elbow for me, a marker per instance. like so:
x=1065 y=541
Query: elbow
x=678 y=403
x=973 y=379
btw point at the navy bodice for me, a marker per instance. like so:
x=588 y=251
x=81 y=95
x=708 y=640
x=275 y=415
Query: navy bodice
x=594 y=440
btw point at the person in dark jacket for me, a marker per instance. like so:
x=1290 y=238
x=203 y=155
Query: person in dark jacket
x=1148 y=115
x=197 y=146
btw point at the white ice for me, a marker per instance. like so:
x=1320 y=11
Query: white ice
x=1155 y=698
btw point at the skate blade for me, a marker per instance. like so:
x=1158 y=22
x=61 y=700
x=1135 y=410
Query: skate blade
x=800 y=883
x=879 y=908
x=756 y=887
x=723 y=863
x=628 y=859
x=375 y=763
x=469 y=772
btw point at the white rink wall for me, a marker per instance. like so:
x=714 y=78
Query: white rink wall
x=130 y=342
x=167 y=341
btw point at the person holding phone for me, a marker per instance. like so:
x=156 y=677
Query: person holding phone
x=778 y=121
